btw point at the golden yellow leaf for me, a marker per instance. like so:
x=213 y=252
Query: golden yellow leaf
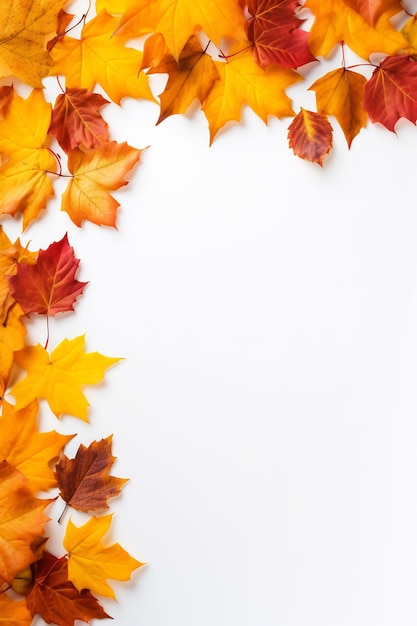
x=100 y=56
x=28 y=450
x=177 y=20
x=25 y=29
x=341 y=20
x=96 y=172
x=340 y=93
x=59 y=377
x=244 y=82
x=90 y=563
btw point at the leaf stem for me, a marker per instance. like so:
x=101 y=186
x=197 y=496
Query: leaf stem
x=63 y=513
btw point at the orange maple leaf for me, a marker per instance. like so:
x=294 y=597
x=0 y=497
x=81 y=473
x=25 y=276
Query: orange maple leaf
x=341 y=93
x=22 y=520
x=13 y=612
x=25 y=29
x=95 y=173
x=191 y=78
x=102 y=57
x=12 y=338
x=84 y=482
x=28 y=450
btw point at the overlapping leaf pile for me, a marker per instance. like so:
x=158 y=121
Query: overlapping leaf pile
x=33 y=469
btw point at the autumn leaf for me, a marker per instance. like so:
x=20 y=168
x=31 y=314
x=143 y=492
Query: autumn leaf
x=55 y=598
x=177 y=20
x=12 y=338
x=90 y=563
x=77 y=121
x=49 y=286
x=25 y=29
x=24 y=182
x=346 y=21
x=310 y=136
x=6 y=96
x=391 y=92
x=13 y=612
x=191 y=78
x=22 y=520
x=243 y=82
x=59 y=377
x=84 y=482
x=95 y=173
x=28 y=450
x=101 y=57
x=341 y=93
x=275 y=32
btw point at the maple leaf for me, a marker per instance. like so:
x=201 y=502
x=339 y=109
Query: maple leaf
x=49 y=286
x=177 y=20
x=243 y=82
x=22 y=520
x=341 y=93
x=12 y=338
x=25 y=29
x=95 y=173
x=102 y=57
x=28 y=450
x=60 y=376
x=24 y=182
x=6 y=96
x=13 y=612
x=76 y=119
x=391 y=92
x=310 y=136
x=56 y=599
x=276 y=34
x=90 y=563
x=192 y=77
x=84 y=482
x=345 y=20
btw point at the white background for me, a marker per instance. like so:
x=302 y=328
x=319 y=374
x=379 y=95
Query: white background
x=266 y=409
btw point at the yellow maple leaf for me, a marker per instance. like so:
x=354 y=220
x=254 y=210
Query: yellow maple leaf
x=24 y=182
x=14 y=612
x=115 y=7
x=343 y=20
x=177 y=20
x=96 y=172
x=340 y=93
x=90 y=563
x=25 y=29
x=22 y=520
x=244 y=82
x=100 y=56
x=59 y=377
x=28 y=450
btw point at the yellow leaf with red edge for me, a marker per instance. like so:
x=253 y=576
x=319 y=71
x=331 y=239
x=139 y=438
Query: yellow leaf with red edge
x=96 y=172
x=243 y=82
x=22 y=521
x=13 y=612
x=177 y=20
x=24 y=182
x=25 y=29
x=26 y=448
x=59 y=377
x=337 y=21
x=191 y=78
x=310 y=136
x=101 y=57
x=90 y=563
x=341 y=93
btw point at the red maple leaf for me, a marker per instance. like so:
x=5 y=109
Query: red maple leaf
x=76 y=120
x=275 y=32
x=56 y=599
x=49 y=286
x=391 y=92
